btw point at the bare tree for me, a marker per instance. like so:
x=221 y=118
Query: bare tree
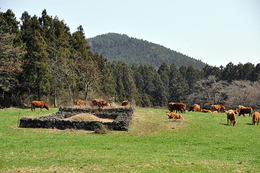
x=55 y=62
x=209 y=91
x=244 y=93
x=88 y=73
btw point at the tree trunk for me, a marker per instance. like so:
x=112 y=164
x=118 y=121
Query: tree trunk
x=38 y=85
x=55 y=99
x=86 y=92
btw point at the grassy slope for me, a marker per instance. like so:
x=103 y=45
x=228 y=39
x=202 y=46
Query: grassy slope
x=200 y=143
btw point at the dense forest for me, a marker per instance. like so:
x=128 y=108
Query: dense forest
x=116 y=47
x=40 y=59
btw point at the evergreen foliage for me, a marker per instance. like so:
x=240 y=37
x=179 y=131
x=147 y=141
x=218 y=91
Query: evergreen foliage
x=118 y=47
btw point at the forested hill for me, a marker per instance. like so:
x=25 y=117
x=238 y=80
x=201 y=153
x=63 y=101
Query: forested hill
x=117 y=47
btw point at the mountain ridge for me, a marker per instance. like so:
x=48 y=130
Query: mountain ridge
x=116 y=47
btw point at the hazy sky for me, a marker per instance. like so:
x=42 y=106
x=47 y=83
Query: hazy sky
x=214 y=31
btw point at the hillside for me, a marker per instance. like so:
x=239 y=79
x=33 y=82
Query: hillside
x=117 y=47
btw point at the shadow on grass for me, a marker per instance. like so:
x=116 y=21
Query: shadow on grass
x=225 y=124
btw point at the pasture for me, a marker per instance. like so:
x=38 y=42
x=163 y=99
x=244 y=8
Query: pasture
x=201 y=142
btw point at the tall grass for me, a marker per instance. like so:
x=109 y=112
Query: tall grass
x=202 y=142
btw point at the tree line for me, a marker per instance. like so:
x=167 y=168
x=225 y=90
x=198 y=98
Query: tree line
x=40 y=59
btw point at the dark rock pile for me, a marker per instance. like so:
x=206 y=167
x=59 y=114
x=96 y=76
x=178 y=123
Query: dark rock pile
x=121 y=116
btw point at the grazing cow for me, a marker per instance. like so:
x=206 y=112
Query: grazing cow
x=245 y=110
x=177 y=106
x=256 y=118
x=205 y=111
x=217 y=108
x=173 y=115
x=215 y=112
x=195 y=108
x=79 y=102
x=99 y=103
x=239 y=107
x=126 y=103
x=231 y=117
x=39 y=104
x=235 y=111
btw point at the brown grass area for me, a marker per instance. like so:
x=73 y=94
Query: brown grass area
x=152 y=122
x=87 y=117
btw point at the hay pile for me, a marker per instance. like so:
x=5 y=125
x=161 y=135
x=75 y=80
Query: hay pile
x=87 y=117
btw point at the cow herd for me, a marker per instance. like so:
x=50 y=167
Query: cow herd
x=231 y=118
x=95 y=102
x=178 y=107
x=99 y=102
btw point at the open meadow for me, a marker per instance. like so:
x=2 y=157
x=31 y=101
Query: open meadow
x=201 y=142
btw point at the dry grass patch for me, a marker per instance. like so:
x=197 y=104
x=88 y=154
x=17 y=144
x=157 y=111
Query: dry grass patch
x=87 y=117
x=146 y=121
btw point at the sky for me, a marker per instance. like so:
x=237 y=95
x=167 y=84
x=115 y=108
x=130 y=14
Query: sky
x=214 y=31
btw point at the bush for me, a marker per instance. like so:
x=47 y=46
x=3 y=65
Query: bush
x=101 y=129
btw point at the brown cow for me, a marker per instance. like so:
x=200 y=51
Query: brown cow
x=79 y=102
x=205 y=111
x=256 y=118
x=99 y=103
x=125 y=103
x=195 y=108
x=235 y=111
x=245 y=110
x=239 y=107
x=39 y=104
x=217 y=108
x=170 y=106
x=173 y=115
x=177 y=106
x=231 y=117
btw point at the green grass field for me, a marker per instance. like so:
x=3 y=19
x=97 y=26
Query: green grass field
x=202 y=142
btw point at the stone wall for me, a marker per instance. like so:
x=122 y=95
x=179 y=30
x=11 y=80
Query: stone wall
x=122 y=118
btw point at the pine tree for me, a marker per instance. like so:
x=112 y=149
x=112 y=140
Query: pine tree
x=248 y=71
x=125 y=74
x=139 y=83
x=159 y=95
x=36 y=72
x=192 y=77
x=228 y=73
x=149 y=88
x=256 y=73
x=164 y=71
x=11 y=21
x=79 y=42
x=178 y=86
x=183 y=71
